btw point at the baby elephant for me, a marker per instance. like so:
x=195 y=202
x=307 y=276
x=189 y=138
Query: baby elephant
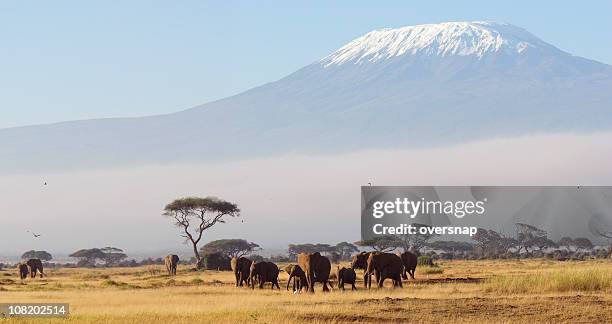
x=299 y=277
x=23 y=270
x=346 y=275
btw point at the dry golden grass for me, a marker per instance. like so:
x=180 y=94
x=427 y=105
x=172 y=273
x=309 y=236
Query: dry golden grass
x=508 y=291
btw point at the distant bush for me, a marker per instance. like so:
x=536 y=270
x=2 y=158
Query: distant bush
x=279 y=258
x=601 y=254
x=215 y=261
x=425 y=260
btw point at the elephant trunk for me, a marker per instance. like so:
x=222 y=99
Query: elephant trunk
x=289 y=281
x=311 y=279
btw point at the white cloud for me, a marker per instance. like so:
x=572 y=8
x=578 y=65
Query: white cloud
x=284 y=199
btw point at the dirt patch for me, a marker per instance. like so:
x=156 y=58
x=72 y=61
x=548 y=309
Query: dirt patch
x=346 y=318
x=493 y=309
x=7 y=281
x=447 y=280
x=386 y=300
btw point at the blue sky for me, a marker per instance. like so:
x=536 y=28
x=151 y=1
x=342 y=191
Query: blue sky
x=65 y=60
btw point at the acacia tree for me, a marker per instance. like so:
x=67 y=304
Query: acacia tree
x=339 y=251
x=583 y=243
x=113 y=255
x=566 y=242
x=43 y=255
x=415 y=241
x=451 y=246
x=233 y=248
x=194 y=215
x=294 y=249
x=493 y=243
x=345 y=250
x=383 y=243
x=88 y=257
x=109 y=255
x=529 y=236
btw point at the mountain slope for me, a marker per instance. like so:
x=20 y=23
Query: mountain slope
x=413 y=86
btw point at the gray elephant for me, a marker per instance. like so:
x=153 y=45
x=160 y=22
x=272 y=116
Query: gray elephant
x=410 y=263
x=298 y=275
x=388 y=266
x=35 y=266
x=242 y=270
x=346 y=275
x=23 y=270
x=171 y=262
x=360 y=261
x=317 y=269
x=263 y=272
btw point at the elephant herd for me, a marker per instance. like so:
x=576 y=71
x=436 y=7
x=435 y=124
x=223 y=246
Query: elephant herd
x=32 y=267
x=313 y=267
x=310 y=269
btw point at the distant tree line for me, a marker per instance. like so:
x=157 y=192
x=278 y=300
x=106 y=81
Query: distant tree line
x=528 y=241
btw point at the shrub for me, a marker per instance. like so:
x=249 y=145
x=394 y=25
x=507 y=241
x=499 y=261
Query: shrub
x=216 y=261
x=424 y=260
x=601 y=254
x=279 y=258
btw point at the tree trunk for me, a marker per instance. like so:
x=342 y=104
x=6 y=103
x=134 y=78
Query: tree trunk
x=197 y=255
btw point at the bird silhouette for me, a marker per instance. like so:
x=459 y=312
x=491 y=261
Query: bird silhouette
x=35 y=235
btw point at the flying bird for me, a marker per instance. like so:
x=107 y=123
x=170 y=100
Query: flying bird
x=35 y=235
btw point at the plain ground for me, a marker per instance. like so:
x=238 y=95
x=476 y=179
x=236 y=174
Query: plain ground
x=517 y=291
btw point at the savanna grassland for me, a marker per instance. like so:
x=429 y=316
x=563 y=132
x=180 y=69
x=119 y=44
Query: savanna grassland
x=456 y=291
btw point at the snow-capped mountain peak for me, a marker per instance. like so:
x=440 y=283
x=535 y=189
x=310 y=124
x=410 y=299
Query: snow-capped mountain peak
x=477 y=39
x=430 y=85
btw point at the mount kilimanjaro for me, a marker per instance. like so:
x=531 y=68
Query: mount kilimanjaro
x=414 y=86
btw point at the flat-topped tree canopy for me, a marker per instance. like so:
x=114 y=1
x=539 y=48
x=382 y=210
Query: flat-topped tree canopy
x=194 y=215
